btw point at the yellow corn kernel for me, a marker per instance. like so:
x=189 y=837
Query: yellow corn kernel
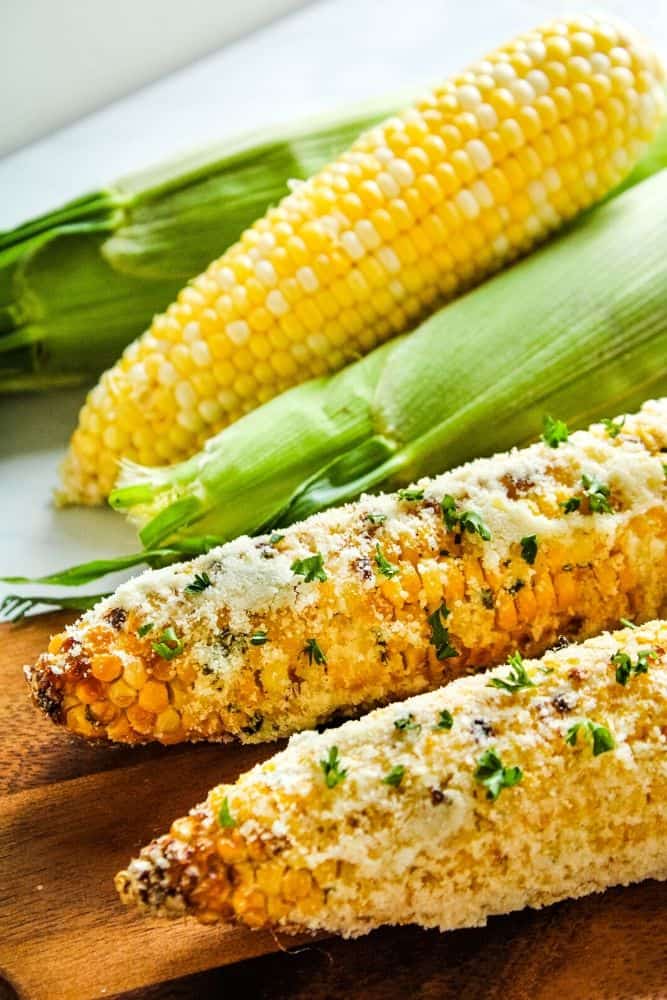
x=308 y=271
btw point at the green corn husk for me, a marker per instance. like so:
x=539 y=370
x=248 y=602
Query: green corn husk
x=578 y=329
x=81 y=282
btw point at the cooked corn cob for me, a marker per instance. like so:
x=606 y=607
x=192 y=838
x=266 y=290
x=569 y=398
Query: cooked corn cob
x=375 y=601
x=483 y=797
x=419 y=208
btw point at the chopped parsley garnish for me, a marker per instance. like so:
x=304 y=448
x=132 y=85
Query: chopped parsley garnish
x=598 y=495
x=169 y=645
x=529 y=549
x=570 y=505
x=625 y=668
x=411 y=494
x=312 y=568
x=627 y=623
x=314 y=652
x=333 y=772
x=395 y=776
x=200 y=583
x=445 y=720
x=407 y=724
x=259 y=637
x=145 y=629
x=386 y=568
x=613 y=426
x=494 y=776
x=275 y=538
x=440 y=635
x=554 y=432
x=225 y=818
x=600 y=736
x=376 y=518
x=467 y=520
x=486 y=595
x=517 y=678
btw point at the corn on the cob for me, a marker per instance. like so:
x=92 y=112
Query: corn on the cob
x=375 y=601
x=420 y=207
x=486 y=796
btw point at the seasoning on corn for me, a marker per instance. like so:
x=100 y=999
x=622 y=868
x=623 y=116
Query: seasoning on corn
x=419 y=208
x=341 y=635
x=443 y=830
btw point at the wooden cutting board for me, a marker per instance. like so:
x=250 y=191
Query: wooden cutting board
x=71 y=815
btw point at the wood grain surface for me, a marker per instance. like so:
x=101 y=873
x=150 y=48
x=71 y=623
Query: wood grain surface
x=72 y=814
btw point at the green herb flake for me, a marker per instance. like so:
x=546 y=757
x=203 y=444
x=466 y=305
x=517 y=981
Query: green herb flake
x=529 y=549
x=411 y=494
x=494 y=776
x=169 y=646
x=314 y=652
x=200 y=583
x=445 y=720
x=598 y=495
x=554 y=432
x=627 y=623
x=225 y=818
x=311 y=568
x=407 y=724
x=613 y=426
x=440 y=635
x=468 y=520
x=625 y=668
x=275 y=538
x=395 y=776
x=486 y=596
x=600 y=736
x=376 y=519
x=145 y=629
x=570 y=505
x=333 y=772
x=259 y=637
x=386 y=568
x=517 y=678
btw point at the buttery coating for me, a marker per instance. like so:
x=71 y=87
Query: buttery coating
x=409 y=832
x=397 y=595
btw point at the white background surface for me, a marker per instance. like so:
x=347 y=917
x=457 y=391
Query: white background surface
x=63 y=58
x=329 y=53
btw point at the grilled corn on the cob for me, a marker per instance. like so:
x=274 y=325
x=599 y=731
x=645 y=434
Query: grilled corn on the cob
x=420 y=207
x=480 y=798
x=377 y=600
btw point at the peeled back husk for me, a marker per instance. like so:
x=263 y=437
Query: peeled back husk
x=578 y=329
x=81 y=282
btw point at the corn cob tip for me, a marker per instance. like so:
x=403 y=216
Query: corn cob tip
x=156 y=882
x=47 y=694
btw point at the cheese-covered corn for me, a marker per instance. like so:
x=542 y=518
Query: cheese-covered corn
x=375 y=601
x=513 y=788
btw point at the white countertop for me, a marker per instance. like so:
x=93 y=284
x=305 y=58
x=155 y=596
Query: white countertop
x=329 y=53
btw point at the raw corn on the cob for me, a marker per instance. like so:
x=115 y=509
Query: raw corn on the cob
x=420 y=207
x=480 y=798
x=377 y=600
